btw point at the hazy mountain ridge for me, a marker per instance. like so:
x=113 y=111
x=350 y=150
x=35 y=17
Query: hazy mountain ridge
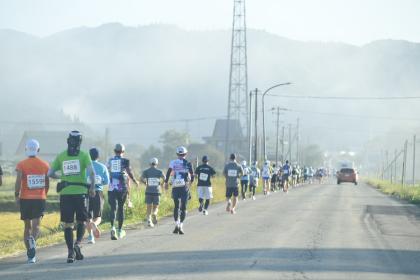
x=117 y=73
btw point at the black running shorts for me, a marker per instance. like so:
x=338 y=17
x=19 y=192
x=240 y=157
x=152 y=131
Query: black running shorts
x=75 y=204
x=96 y=205
x=31 y=208
x=232 y=191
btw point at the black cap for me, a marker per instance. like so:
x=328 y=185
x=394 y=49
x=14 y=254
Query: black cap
x=232 y=156
x=205 y=159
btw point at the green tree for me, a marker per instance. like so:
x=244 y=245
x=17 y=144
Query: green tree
x=313 y=156
x=149 y=153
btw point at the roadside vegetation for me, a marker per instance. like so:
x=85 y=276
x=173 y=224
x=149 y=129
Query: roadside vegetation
x=51 y=233
x=408 y=193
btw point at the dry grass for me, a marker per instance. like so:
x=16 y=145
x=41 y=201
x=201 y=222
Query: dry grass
x=11 y=239
x=409 y=193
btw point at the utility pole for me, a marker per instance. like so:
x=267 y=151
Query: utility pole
x=255 y=126
x=297 y=142
x=106 y=143
x=414 y=160
x=282 y=144
x=290 y=143
x=250 y=128
x=395 y=166
x=277 y=135
x=404 y=167
x=386 y=162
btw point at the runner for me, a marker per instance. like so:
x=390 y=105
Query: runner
x=120 y=172
x=274 y=178
x=254 y=178
x=73 y=165
x=294 y=176
x=204 y=174
x=1 y=176
x=31 y=190
x=151 y=177
x=96 y=203
x=311 y=174
x=266 y=175
x=245 y=179
x=182 y=175
x=285 y=177
x=232 y=172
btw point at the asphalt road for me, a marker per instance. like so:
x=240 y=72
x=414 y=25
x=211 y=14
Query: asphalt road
x=313 y=232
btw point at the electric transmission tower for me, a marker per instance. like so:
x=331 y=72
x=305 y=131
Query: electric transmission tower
x=238 y=79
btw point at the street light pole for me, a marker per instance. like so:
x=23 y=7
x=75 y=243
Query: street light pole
x=263 y=114
x=250 y=128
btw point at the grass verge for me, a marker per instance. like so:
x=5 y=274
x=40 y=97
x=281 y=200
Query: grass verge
x=51 y=233
x=408 y=193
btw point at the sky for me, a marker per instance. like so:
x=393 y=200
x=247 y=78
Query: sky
x=349 y=21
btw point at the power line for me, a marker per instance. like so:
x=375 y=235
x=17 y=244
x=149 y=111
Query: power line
x=114 y=123
x=354 y=116
x=347 y=115
x=347 y=97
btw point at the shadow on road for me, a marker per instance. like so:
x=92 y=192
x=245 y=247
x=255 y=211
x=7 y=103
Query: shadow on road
x=260 y=259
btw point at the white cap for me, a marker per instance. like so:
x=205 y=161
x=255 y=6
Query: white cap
x=154 y=161
x=32 y=148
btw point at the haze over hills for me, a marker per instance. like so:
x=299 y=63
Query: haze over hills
x=114 y=73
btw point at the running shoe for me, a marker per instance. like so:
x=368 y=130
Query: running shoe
x=253 y=197
x=232 y=211
x=150 y=224
x=180 y=230
x=91 y=239
x=114 y=234
x=32 y=246
x=154 y=219
x=32 y=260
x=70 y=258
x=205 y=212
x=228 y=208
x=121 y=233
x=78 y=252
x=176 y=230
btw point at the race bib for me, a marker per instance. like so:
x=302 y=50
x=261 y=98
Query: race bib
x=178 y=183
x=203 y=176
x=115 y=184
x=36 y=181
x=98 y=180
x=232 y=173
x=71 y=167
x=115 y=165
x=153 y=182
x=286 y=171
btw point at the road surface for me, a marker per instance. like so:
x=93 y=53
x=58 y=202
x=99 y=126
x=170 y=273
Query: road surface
x=314 y=232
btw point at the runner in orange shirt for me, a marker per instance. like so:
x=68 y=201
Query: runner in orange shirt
x=31 y=190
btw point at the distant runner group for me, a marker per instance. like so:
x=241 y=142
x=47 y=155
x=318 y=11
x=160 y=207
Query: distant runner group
x=82 y=180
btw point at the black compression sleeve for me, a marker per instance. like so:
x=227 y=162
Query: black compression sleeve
x=168 y=174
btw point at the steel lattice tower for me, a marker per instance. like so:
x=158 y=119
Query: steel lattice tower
x=238 y=79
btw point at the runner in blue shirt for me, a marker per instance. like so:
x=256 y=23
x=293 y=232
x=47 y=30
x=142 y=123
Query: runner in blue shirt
x=96 y=203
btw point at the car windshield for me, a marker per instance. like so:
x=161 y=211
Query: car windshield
x=347 y=171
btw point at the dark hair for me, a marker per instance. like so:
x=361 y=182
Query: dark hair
x=232 y=156
x=94 y=153
x=205 y=159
